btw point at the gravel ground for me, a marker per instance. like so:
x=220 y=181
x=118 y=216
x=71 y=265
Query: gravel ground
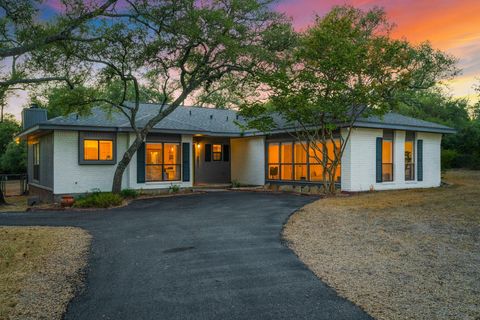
x=42 y=271
x=412 y=254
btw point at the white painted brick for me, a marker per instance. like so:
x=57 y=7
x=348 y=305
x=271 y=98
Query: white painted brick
x=248 y=160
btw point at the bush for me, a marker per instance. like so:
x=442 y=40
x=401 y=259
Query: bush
x=174 y=188
x=448 y=158
x=129 y=193
x=98 y=200
x=236 y=184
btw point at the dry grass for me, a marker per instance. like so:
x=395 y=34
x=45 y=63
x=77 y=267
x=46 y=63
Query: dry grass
x=14 y=203
x=40 y=269
x=412 y=254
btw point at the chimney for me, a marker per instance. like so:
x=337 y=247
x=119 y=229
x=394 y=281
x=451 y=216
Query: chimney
x=33 y=116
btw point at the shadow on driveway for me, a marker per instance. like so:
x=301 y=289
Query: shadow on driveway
x=205 y=256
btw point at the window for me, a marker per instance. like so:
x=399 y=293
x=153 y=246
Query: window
x=274 y=161
x=97 y=150
x=290 y=161
x=387 y=155
x=300 y=160
x=410 y=156
x=162 y=161
x=36 y=161
x=217 y=152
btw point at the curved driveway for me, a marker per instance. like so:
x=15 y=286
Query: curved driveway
x=205 y=256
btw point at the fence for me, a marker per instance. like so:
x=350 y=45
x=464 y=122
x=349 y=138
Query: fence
x=13 y=184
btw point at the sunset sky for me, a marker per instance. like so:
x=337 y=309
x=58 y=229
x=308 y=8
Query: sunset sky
x=450 y=25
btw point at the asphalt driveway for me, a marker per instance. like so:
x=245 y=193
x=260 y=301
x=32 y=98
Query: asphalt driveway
x=206 y=256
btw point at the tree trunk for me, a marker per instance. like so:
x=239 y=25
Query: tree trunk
x=123 y=164
x=2 y=198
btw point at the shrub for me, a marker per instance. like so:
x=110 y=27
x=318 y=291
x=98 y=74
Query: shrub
x=236 y=184
x=98 y=200
x=129 y=193
x=174 y=188
x=448 y=158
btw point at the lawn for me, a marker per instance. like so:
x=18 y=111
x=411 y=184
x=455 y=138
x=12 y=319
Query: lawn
x=411 y=254
x=40 y=269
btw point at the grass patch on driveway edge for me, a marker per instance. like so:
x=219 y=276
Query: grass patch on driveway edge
x=40 y=270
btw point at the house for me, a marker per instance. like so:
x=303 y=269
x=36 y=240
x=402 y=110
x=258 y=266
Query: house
x=194 y=146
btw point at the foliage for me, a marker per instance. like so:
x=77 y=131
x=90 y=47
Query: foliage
x=9 y=127
x=129 y=193
x=448 y=157
x=175 y=49
x=236 y=184
x=343 y=67
x=98 y=200
x=174 y=188
x=460 y=150
x=14 y=159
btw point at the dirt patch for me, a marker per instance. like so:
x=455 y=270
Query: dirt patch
x=40 y=270
x=14 y=204
x=411 y=254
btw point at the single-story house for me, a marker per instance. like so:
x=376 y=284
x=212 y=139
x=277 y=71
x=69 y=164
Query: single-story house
x=198 y=146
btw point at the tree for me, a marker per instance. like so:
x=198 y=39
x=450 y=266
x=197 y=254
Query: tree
x=14 y=160
x=343 y=67
x=9 y=127
x=173 y=48
x=23 y=34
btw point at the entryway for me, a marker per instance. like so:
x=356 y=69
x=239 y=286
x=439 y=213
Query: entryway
x=212 y=161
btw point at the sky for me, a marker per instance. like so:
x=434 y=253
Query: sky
x=450 y=25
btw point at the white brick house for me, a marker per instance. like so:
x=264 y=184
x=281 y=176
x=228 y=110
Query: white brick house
x=74 y=155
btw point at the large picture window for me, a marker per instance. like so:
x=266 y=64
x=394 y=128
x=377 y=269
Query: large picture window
x=162 y=161
x=297 y=161
x=410 y=156
x=387 y=156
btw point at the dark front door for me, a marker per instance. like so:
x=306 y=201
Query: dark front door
x=212 y=160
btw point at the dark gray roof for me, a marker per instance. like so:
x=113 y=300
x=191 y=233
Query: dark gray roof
x=208 y=121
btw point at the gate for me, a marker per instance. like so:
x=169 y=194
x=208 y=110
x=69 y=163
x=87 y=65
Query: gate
x=13 y=184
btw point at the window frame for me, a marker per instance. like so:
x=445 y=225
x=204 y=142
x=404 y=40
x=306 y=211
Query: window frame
x=292 y=164
x=388 y=135
x=163 y=164
x=36 y=161
x=98 y=136
x=410 y=137
x=217 y=152
x=98 y=149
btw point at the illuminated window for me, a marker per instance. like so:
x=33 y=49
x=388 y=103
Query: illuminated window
x=94 y=150
x=273 y=161
x=217 y=152
x=387 y=156
x=162 y=162
x=289 y=161
x=300 y=160
x=410 y=156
